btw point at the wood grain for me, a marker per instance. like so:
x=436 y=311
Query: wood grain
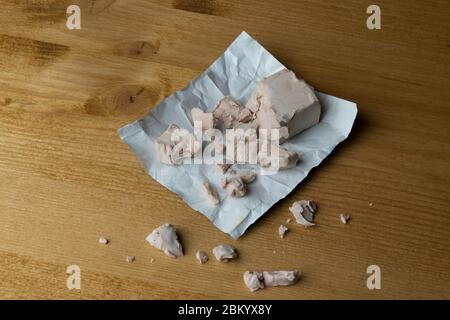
x=66 y=178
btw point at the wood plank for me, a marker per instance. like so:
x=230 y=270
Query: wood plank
x=66 y=178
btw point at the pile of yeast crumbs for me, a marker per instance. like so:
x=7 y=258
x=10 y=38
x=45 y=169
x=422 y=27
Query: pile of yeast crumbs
x=165 y=239
x=280 y=101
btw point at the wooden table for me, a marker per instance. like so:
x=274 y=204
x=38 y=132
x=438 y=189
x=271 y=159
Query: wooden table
x=66 y=178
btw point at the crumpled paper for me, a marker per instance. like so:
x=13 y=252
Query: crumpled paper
x=235 y=74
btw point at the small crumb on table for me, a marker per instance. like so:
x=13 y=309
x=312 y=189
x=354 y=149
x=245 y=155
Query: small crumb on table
x=103 y=240
x=202 y=257
x=282 y=229
x=344 y=218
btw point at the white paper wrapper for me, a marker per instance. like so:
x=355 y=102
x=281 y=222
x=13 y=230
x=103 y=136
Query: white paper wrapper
x=234 y=74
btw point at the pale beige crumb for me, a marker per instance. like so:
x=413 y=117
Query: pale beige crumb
x=202 y=257
x=344 y=218
x=103 y=240
x=165 y=238
x=212 y=195
x=224 y=252
x=255 y=280
x=130 y=259
x=282 y=229
x=304 y=212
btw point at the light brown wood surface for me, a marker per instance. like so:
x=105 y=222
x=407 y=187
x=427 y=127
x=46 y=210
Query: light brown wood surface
x=66 y=178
